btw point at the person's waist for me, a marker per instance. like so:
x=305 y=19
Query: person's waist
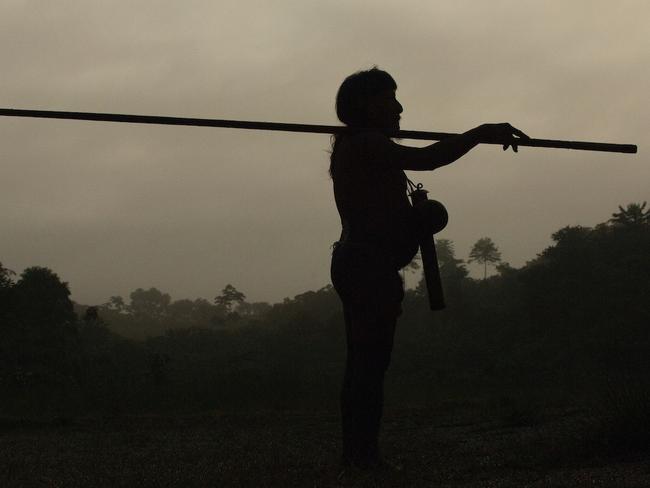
x=352 y=237
x=379 y=246
x=387 y=237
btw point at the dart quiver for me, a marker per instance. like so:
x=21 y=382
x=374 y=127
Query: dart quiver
x=431 y=217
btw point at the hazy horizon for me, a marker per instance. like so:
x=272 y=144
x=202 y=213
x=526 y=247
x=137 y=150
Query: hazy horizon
x=114 y=207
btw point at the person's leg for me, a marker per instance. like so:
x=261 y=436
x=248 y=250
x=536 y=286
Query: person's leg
x=380 y=362
x=371 y=299
x=363 y=389
x=348 y=420
x=370 y=362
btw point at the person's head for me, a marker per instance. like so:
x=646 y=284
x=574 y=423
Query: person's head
x=366 y=99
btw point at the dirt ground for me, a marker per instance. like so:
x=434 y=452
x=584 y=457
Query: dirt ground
x=302 y=449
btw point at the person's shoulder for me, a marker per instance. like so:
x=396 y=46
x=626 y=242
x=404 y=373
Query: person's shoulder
x=370 y=138
x=368 y=144
x=363 y=151
x=358 y=144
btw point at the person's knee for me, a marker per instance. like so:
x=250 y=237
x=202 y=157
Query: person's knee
x=369 y=362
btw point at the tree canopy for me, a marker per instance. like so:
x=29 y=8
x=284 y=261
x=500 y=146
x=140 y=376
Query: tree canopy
x=229 y=296
x=484 y=252
x=575 y=313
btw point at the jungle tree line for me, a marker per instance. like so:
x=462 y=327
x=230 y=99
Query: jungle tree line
x=574 y=316
x=150 y=311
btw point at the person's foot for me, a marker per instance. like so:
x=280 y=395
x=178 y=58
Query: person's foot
x=358 y=462
x=370 y=464
x=350 y=472
x=355 y=473
x=386 y=466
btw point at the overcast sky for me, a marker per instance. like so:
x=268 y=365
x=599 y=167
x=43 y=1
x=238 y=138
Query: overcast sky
x=114 y=207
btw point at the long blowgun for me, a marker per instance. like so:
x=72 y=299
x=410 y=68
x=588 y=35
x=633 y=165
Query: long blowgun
x=287 y=127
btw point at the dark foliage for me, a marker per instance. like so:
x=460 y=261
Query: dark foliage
x=567 y=329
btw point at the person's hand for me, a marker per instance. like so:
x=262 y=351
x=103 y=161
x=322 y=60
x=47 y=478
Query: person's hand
x=502 y=133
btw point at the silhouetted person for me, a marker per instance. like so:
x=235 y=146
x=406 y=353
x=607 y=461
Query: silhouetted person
x=378 y=238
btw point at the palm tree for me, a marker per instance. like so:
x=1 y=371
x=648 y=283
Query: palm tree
x=6 y=280
x=484 y=252
x=632 y=215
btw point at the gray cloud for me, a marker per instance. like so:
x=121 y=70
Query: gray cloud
x=114 y=207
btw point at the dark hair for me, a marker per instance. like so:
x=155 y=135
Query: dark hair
x=353 y=96
x=354 y=92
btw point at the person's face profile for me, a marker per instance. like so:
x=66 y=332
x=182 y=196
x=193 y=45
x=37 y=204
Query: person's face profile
x=384 y=110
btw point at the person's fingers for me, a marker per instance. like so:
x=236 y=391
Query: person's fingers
x=508 y=133
x=518 y=132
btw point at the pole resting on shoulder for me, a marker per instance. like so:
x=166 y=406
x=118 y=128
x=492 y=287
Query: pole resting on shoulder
x=289 y=127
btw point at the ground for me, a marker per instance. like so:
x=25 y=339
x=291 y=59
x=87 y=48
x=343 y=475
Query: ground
x=301 y=449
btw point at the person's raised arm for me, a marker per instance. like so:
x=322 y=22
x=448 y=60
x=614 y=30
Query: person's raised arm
x=446 y=151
